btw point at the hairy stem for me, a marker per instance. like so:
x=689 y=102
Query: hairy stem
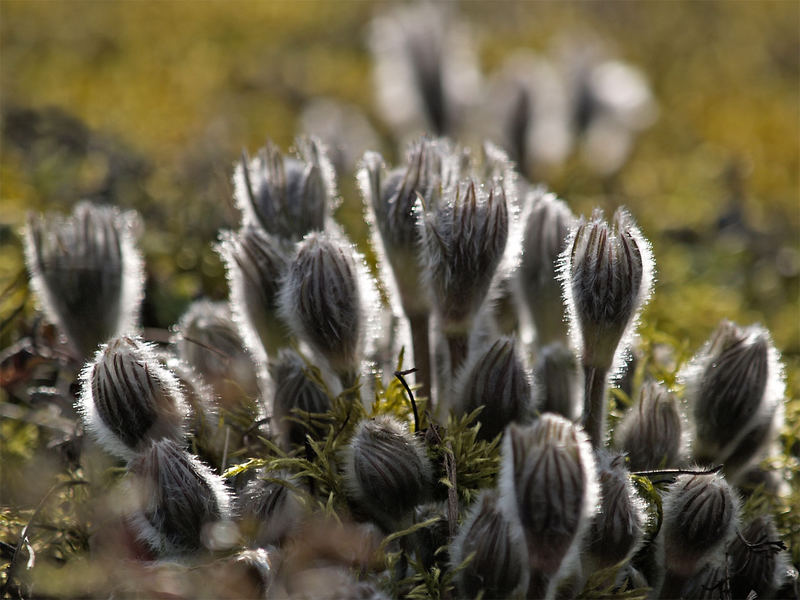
x=458 y=343
x=594 y=404
x=420 y=342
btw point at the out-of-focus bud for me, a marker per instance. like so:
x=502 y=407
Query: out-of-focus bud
x=129 y=399
x=710 y=583
x=500 y=565
x=757 y=560
x=288 y=197
x=547 y=222
x=618 y=526
x=180 y=498
x=322 y=302
x=495 y=379
x=557 y=381
x=256 y=263
x=270 y=508
x=549 y=484
x=87 y=273
x=294 y=389
x=387 y=471
x=652 y=431
x=607 y=274
x=735 y=389
x=700 y=515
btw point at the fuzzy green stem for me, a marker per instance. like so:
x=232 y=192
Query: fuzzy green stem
x=594 y=404
x=420 y=342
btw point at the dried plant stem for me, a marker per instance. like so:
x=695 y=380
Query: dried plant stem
x=594 y=405
x=420 y=341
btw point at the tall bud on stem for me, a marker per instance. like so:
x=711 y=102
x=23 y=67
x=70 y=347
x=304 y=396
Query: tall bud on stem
x=607 y=274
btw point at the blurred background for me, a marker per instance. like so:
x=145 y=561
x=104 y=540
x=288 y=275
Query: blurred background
x=147 y=105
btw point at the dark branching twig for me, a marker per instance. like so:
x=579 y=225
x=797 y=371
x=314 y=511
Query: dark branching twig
x=401 y=376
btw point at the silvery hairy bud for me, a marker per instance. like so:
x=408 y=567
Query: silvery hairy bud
x=757 y=562
x=652 y=431
x=207 y=339
x=255 y=263
x=700 y=514
x=294 y=389
x=128 y=398
x=179 y=497
x=546 y=222
x=549 y=485
x=495 y=379
x=710 y=583
x=288 y=197
x=387 y=471
x=87 y=273
x=270 y=508
x=557 y=381
x=499 y=567
x=735 y=389
x=322 y=301
x=618 y=526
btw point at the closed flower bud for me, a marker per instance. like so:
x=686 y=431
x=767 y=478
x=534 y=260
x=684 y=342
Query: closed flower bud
x=617 y=528
x=87 y=273
x=387 y=471
x=294 y=389
x=129 y=398
x=710 y=583
x=256 y=263
x=735 y=388
x=652 y=431
x=287 y=197
x=179 y=495
x=547 y=222
x=499 y=567
x=700 y=514
x=557 y=381
x=270 y=508
x=757 y=562
x=495 y=379
x=607 y=274
x=549 y=484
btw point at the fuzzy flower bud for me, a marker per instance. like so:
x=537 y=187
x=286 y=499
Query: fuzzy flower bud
x=87 y=273
x=652 y=431
x=387 y=471
x=547 y=222
x=557 y=381
x=287 y=197
x=735 y=388
x=700 y=514
x=757 y=562
x=179 y=496
x=294 y=390
x=500 y=565
x=495 y=379
x=129 y=399
x=270 y=508
x=549 y=484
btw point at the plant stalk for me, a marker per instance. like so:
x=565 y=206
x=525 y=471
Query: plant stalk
x=420 y=342
x=594 y=404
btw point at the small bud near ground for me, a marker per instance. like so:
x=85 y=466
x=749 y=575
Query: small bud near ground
x=270 y=509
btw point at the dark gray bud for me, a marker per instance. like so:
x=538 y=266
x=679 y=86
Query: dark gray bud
x=618 y=526
x=549 y=484
x=710 y=583
x=294 y=389
x=607 y=275
x=179 y=495
x=270 y=508
x=387 y=471
x=495 y=379
x=547 y=222
x=499 y=566
x=288 y=197
x=652 y=431
x=700 y=514
x=128 y=398
x=87 y=273
x=757 y=560
x=557 y=381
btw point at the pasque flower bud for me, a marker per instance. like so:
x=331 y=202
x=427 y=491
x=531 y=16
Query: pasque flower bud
x=179 y=496
x=557 y=381
x=735 y=388
x=287 y=197
x=547 y=222
x=128 y=398
x=757 y=562
x=387 y=471
x=256 y=263
x=87 y=273
x=269 y=508
x=495 y=379
x=499 y=567
x=549 y=485
x=294 y=390
x=652 y=431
